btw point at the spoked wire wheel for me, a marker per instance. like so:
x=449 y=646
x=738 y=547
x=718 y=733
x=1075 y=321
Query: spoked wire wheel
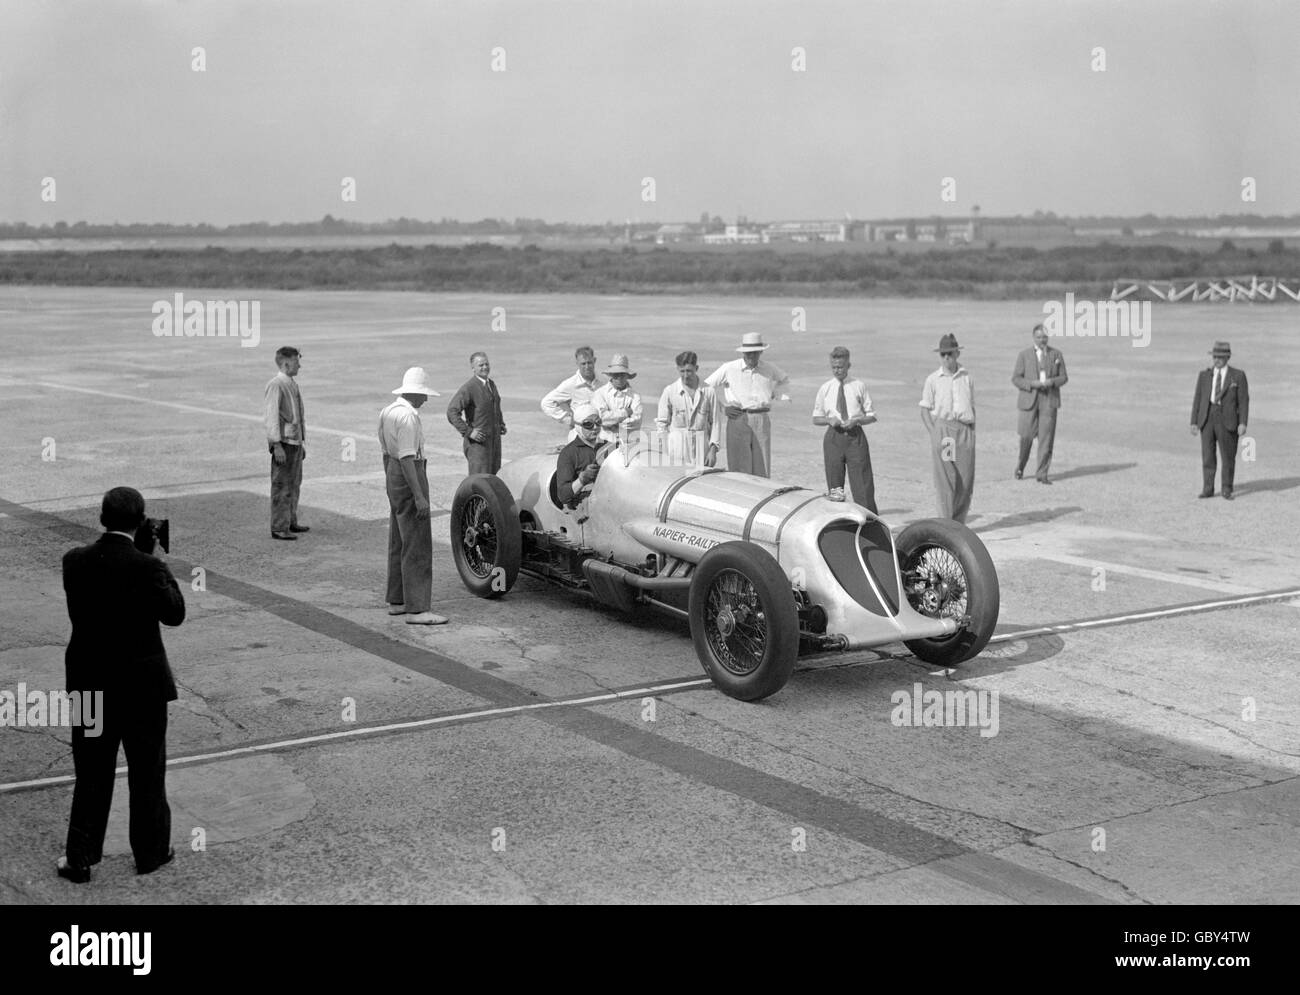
x=744 y=620
x=479 y=537
x=935 y=583
x=947 y=573
x=736 y=625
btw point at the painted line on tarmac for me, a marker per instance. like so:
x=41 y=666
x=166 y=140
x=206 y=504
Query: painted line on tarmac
x=1223 y=587
x=241 y=415
x=451 y=718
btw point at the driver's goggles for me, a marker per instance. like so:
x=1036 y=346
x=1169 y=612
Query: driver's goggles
x=590 y=423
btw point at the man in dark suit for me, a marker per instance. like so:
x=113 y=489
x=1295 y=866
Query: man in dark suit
x=117 y=594
x=1220 y=408
x=475 y=412
x=1039 y=376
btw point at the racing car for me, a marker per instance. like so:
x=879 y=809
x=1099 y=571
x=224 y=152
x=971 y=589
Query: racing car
x=762 y=571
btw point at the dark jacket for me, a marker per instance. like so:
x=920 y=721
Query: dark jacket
x=1235 y=400
x=117 y=595
x=478 y=405
x=1025 y=375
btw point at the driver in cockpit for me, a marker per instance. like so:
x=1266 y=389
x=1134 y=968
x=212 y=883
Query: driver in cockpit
x=576 y=468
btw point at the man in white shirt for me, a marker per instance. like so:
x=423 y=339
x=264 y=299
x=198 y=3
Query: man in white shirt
x=747 y=388
x=578 y=389
x=948 y=413
x=844 y=407
x=1039 y=376
x=688 y=415
x=410 y=536
x=618 y=405
x=286 y=437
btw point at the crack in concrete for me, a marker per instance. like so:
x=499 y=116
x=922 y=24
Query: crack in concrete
x=1035 y=844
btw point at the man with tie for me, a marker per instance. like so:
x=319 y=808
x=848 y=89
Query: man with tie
x=844 y=407
x=688 y=415
x=406 y=479
x=475 y=412
x=577 y=389
x=286 y=438
x=1039 y=376
x=747 y=388
x=1220 y=408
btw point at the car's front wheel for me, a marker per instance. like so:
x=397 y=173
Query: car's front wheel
x=744 y=621
x=486 y=538
x=947 y=573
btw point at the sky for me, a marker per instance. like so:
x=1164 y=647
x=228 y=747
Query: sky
x=701 y=96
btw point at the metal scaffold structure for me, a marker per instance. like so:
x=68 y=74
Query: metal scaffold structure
x=1230 y=289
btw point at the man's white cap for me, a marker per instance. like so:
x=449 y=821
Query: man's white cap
x=416 y=381
x=583 y=411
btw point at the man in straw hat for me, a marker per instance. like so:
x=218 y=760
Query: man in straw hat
x=948 y=412
x=410 y=537
x=1220 y=408
x=618 y=405
x=748 y=387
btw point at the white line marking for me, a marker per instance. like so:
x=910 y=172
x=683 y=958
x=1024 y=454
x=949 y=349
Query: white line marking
x=242 y=416
x=1204 y=606
x=1222 y=587
x=372 y=730
x=633 y=693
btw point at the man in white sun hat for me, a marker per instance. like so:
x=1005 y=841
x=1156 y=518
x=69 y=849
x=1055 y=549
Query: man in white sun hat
x=410 y=536
x=617 y=403
x=747 y=388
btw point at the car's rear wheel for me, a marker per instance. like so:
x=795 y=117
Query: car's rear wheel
x=744 y=621
x=486 y=538
x=947 y=573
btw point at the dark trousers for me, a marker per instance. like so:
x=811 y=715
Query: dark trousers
x=410 y=541
x=1038 y=422
x=142 y=730
x=1213 y=433
x=286 y=482
x=848 y=452
x=485 y=456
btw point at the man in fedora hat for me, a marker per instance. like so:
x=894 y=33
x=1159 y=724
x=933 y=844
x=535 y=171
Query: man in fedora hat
x=948 y=413
x=618 y=405
x=577 y=389
x=1039 y=376
x=475 y=412
x=1220 y=408
x=410 y=536
x=747 y=388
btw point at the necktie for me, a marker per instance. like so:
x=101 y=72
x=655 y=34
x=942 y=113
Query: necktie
x=841 y=405
x=1218 y=385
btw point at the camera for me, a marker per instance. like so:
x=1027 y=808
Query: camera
x=153 y=531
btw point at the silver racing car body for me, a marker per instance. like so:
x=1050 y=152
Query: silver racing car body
x=762 y=570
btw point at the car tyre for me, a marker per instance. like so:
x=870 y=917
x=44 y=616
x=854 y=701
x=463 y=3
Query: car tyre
x=744 y=621
x=960 y=580
x=486 y=537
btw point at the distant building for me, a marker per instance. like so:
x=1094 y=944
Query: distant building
x=806 y=231
x=671 y=234
x=889 y=233
x=734 y=235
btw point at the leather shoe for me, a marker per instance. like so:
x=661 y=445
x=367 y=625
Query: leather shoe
x=77 y=875
x=171 y=855
x=397 y=609
x=1020 y=474
x=299 y=528
x=1227 y=494
x=1205 y=494
x=286 y=536
x=1042 y=480
x=425 y=618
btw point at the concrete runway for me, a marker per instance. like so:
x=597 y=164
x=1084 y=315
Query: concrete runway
x=509 y=756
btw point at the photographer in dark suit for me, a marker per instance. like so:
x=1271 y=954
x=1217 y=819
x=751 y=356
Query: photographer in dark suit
x=117 y=594
x=1220 y=408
